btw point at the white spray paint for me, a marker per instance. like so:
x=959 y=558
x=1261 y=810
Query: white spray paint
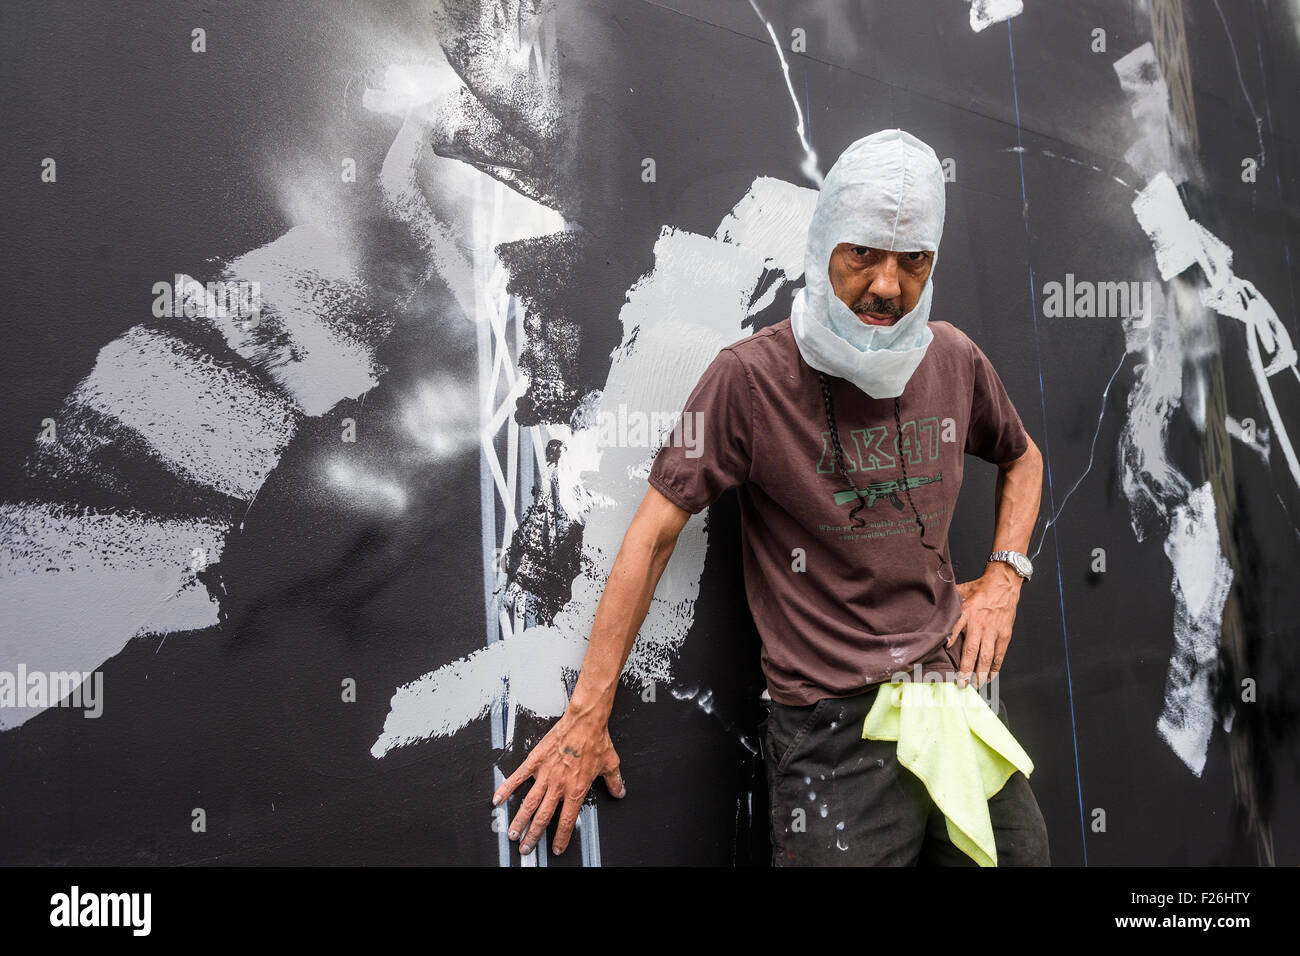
x=440 y=415
x=360 y=487
x=443 y=199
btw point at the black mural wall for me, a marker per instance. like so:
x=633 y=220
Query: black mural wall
x=327 y=551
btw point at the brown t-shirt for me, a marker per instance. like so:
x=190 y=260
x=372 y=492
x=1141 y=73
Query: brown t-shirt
x=841 y=608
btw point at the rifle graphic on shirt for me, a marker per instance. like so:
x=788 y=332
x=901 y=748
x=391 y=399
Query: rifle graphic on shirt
x=887 y=489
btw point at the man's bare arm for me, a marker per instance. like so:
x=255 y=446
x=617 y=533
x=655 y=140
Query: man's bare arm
x=1017 y=497
x=989 y=602
x=625 y=601
x=577 y=748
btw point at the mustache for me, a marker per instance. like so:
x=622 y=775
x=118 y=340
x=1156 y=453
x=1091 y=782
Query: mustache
x=880 y=307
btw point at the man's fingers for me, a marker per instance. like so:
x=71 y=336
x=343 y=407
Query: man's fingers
x=969 y=655
x=999 y=656
x=538 y=827
x=522 y=773
x=984 y=662
x=568 y=817
x=526 y=809
x=614 y=782
x=956 y=629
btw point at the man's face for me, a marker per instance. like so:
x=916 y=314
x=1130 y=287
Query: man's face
x=879 y=285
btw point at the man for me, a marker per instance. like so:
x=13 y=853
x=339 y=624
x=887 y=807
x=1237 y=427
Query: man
x=855 y=404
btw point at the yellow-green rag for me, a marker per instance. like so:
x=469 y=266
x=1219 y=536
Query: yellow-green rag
x=954 y=742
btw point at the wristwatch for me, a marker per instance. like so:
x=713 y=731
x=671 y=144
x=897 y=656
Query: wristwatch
x=1018 y=561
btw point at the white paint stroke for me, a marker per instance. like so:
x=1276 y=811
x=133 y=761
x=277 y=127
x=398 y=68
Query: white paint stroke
x=75 y=584
x=443 y=701
x=676 y=319
x=1202 y=579
x=1152 y=483
x=220 y=427
x=308 y=282
x=1181 y=242
x=1160 y=142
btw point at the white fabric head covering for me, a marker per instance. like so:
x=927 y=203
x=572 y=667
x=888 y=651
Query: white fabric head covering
x=886 y=191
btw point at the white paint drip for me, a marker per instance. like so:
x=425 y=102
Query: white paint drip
x=809 y=165
x=1236 y=62
x=75 y=584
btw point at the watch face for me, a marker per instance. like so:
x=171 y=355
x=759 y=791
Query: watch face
x=1022 y=564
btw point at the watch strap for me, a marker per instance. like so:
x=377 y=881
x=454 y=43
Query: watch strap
x=1006 y=556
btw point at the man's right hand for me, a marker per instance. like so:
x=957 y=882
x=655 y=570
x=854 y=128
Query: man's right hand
x=564 y=763
x=577 y=749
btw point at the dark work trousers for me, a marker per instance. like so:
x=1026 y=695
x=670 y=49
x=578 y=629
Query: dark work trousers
x=861 y=807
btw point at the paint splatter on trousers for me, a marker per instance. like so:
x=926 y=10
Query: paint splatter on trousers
x=839 y=800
